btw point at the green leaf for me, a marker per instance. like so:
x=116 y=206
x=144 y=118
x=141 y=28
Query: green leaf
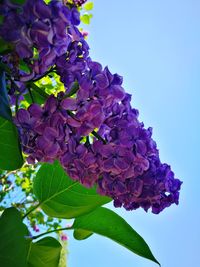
x=1 y=19
x=10 y=155
x=19 y=2
x=38 y=98
x=88 y=6
x=80 y=234
x=74 y=89
x=4 y=46
x=85 y=19
x=45 y=252
x=107 y=223
x=5 y=111
x=23 y=66
x=13 y=245
x=60 y=196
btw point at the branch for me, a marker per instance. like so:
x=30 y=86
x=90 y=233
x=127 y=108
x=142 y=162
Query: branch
x=45 y=74
x=52 y=231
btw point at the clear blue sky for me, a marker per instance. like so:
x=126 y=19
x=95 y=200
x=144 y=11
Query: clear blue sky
x=155 y=45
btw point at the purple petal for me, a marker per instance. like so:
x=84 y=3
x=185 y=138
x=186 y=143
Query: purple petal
x=35 y=110
x=51 y=104
x=69 y=104
x=23 y=116
x=108 y=164
x=42 y=143
x=121 y=164
x=50 y=134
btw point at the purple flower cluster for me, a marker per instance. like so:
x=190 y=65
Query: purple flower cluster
x=93 y=131
x=39 y=34
x=98 y=139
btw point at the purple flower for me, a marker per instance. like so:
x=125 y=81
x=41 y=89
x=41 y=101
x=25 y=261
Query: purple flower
x=91 y=128
x=64 y=237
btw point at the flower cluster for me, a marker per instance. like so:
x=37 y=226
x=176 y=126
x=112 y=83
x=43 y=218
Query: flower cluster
x=98 y=139
x=39 y=34
x=93 y=130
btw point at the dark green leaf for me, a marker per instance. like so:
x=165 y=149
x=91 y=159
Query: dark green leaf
x=45 y=253
x=19 y=2
x=1 y=19
x=74 y=89
x=24 y=67
x=5 y=111
x=60 y=196
x=107 y=223
x=4 y=46
x=80 y=234
x=10 y=153
x=37 y=98
x=38 y=90
x=13 y=245
x=10 y=156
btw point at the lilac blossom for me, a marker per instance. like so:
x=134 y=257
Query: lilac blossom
x=41 y=26
x=94 y=132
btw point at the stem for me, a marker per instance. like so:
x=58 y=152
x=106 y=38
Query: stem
x=73 y=91
x=99 y=137
x=38 y=90
x=31 y=210
x=70 y=113
x=7 y=174
x=52 y=231
x=16 y=104
x=31 y=95
x=39 y=78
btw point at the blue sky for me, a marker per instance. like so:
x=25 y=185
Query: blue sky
x=155 y=46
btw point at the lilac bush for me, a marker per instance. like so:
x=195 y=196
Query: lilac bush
x=94 y=131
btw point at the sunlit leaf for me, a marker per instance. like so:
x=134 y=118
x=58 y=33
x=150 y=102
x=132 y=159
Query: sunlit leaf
x=88 y=6
x=80 y=234
x=107 y=223
x=45 y=253
x=85 y=19
x=62 y=197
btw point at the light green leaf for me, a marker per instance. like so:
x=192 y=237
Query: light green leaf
x=45 y=253
x=60 y=196
x=85 y=19
x=10 y=155
x=107 y=223
x=88 y=6
x=13 y=245
x=80 y=234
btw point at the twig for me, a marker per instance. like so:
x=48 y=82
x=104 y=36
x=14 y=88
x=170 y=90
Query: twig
x=53 y=231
